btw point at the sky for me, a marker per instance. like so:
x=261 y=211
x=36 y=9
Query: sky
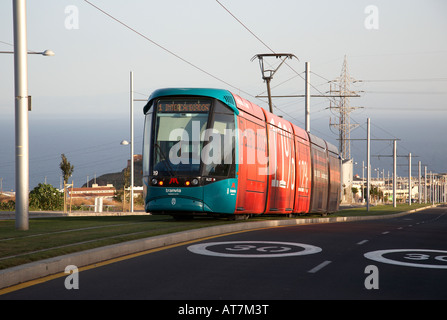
x=396 y=52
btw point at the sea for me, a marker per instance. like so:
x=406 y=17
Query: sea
x=91 y=145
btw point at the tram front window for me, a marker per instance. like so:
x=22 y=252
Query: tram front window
x=179 y=125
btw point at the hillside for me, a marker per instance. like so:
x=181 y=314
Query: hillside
x=117 y=178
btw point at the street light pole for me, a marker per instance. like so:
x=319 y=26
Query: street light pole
x=425 y=184
x=409 y=179
x=420 y=183
x=368 y=163
x=131 y=143
x=394 y=173
x=21 y=115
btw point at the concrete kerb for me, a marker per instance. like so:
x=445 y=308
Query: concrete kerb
x=47 y=267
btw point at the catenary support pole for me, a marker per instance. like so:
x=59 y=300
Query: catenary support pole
x=425 y=184
x=21 y=115
x=269 y=92
x=368 y=163
x=420 y=182
x=131 y=144
x=394 y=172
x=409 y=179
x=432 y=195
x=307 y=94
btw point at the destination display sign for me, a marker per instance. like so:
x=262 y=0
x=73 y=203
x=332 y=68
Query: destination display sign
x=184 y=106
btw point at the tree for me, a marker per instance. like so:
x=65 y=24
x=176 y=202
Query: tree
x=126 y=184
x=66 y=167
x=67 y=171
x=46 y=197
x=354 y=192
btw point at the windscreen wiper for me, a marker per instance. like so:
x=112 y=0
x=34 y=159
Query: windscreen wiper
x=165 y=161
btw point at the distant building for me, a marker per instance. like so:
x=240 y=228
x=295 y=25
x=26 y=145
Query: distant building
x=9 y=194
x=434 y=188
x=137 y=160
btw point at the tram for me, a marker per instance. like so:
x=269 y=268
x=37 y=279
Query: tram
x=211 y=152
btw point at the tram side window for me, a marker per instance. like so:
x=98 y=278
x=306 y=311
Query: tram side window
x=219 y=149
x=221 y=108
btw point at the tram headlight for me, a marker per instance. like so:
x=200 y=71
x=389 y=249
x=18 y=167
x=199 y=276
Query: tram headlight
x=154 y=181
x=195 y=182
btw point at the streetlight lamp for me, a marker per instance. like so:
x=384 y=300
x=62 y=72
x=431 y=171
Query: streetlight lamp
x=47 y=53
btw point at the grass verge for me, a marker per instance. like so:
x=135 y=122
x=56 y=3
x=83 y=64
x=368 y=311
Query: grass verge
x=378 y=210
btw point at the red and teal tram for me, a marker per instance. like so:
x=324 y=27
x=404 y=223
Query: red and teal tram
x=211 y=152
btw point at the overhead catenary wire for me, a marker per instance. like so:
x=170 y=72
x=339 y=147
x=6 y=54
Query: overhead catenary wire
x=178 y=56
x=246 y=28
x=405 y=80
x=267 y=46
x=273 y=51
x=164 y=48
x=192 y=64
x=332 y=99
x=171 y=52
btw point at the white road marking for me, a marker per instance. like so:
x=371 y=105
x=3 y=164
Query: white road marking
x=419 y=258
x=319 y=267
x=254 y=249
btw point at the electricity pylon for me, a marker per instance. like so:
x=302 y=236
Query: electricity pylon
x=342 y=106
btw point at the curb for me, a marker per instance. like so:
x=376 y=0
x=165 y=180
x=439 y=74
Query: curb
x=34 y=270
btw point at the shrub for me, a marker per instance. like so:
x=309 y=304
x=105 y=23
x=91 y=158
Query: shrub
x=46 y=197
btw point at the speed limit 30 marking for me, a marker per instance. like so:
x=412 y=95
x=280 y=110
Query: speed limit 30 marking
x=420 y=258
x=253 y=249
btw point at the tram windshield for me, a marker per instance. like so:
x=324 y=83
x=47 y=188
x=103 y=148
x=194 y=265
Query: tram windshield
x=178 y=128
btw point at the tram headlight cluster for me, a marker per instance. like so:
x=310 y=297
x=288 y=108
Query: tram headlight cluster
x=155 y=182
x=187 y=183
x=193 y=182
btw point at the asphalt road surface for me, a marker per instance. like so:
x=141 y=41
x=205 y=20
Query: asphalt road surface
x=397 y=258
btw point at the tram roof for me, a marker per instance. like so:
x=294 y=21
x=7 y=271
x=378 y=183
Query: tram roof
x=223 y=95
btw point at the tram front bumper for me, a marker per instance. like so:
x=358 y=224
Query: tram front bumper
x=175 y=204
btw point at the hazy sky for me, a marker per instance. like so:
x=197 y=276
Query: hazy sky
x=399 y=50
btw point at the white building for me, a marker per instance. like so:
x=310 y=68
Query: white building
x=385 y=188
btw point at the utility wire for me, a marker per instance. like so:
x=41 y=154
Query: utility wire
x=9 y=44
x=268 y=47
x=183 y=59
x=246 y=28
x=164 y=48
x=174 y=54
x=273 y=51
x=404 y=80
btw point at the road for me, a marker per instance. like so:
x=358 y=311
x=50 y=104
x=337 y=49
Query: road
x=317 y=261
